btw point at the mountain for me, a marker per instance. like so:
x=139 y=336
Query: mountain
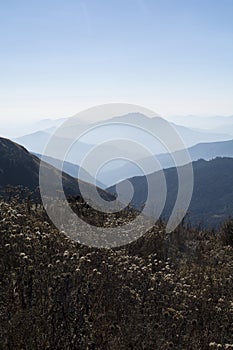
x=23 y=127
x=190 y=135
x=133 y=126
x=19 y=167
x=202 y=122
x=212 y=199
x=72 y=170
x=36 y=143
x=48 y=123
x=228 y=128
x=206 y=151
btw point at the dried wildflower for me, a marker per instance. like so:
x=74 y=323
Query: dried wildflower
x=194 y=322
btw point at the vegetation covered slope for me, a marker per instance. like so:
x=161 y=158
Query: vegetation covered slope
x=161 y=292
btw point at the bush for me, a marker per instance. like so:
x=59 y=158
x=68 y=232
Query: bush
x=227 y=233
x=161 y=292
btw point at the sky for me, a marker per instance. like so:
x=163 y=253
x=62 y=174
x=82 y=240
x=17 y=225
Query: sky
x=59 y=57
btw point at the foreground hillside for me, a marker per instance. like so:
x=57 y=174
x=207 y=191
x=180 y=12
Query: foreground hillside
x=161 y=292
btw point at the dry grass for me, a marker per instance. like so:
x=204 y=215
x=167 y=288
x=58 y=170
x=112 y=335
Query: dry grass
x=161 y=292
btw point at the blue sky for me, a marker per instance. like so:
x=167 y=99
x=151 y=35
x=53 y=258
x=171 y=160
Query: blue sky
x=59 y=57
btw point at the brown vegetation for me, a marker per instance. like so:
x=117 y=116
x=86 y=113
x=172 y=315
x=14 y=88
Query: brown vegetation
x=161 y=292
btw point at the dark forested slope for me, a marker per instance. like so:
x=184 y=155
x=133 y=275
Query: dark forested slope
x=212 y=199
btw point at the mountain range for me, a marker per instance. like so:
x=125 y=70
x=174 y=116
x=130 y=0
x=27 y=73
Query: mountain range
x=211 y=203
x=134 y=126
x=219 y=124
x=206 y=151
x=212 y=196
x=212 y=199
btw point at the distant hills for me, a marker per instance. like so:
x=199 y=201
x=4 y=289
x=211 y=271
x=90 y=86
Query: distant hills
x=117 y=128
x=212 y=200
x=200 y=143
x=125 y=169
x=206 y=151
x=19 y=167
x=20 y=127
x=219 y=124
x=37 y=141
x=212 y=197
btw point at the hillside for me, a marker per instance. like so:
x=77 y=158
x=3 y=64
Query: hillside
x=159 y=292
x=37 y=141
x=71 y=169
x=212 y=200
x=206 y=151
x=19 y=167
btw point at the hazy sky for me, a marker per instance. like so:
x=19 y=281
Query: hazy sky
x=58 y=57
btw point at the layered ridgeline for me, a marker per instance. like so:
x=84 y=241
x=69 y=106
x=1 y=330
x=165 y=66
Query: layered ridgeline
x=109 y=176
x=206 y=151
x=211 y=204
x=133 y=127
x=19 y=167
x=200 y=143
x=212 y=199
x=35 y=142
